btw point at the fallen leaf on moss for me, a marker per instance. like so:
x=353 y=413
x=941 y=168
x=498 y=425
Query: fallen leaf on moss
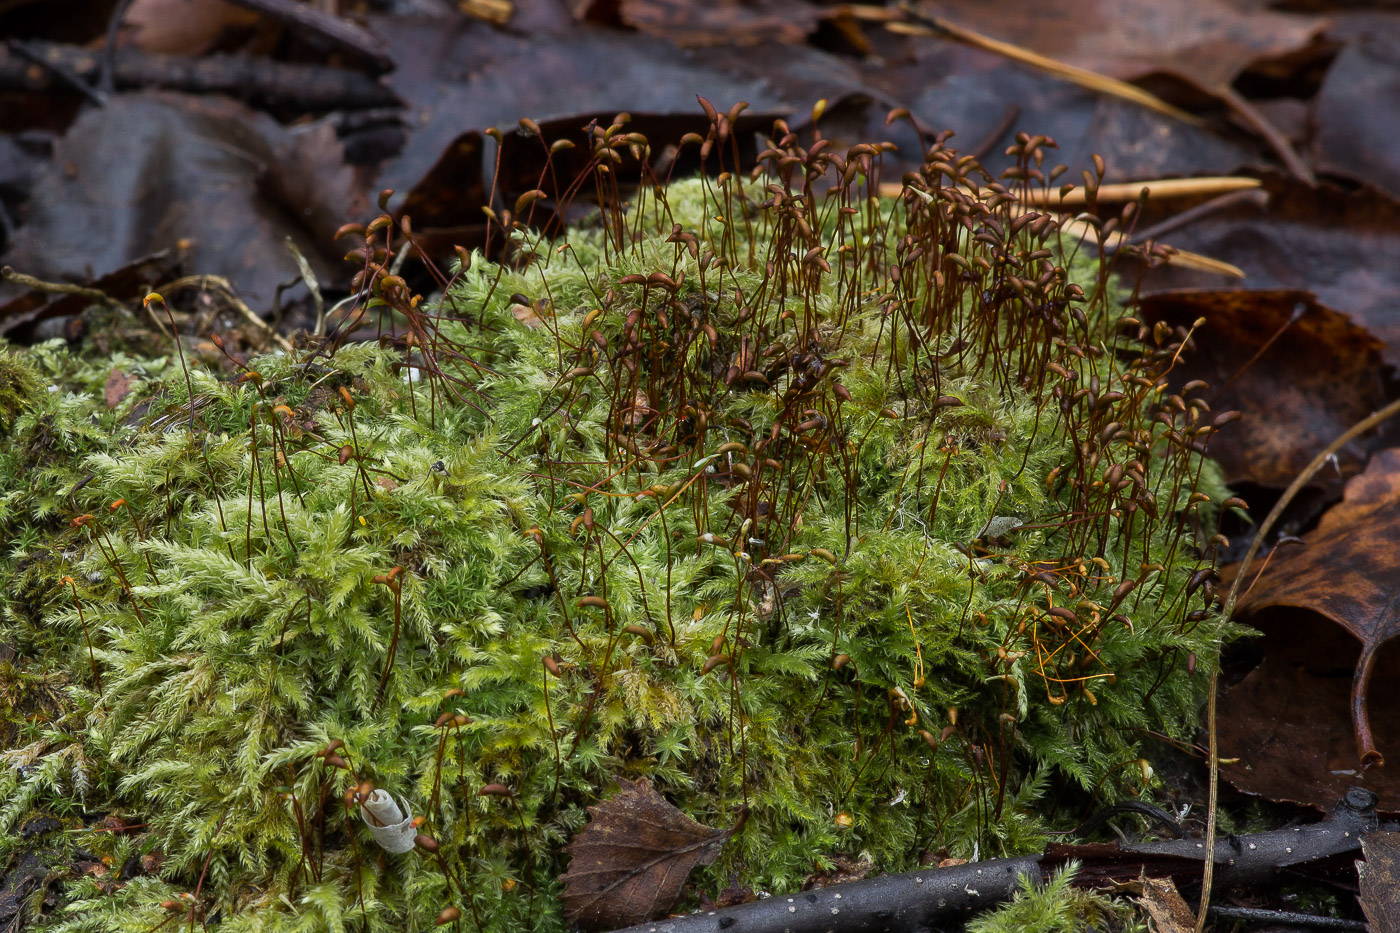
x=117 y=387
x=629 y=863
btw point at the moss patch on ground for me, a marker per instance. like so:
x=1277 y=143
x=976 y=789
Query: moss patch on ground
x=869 y=518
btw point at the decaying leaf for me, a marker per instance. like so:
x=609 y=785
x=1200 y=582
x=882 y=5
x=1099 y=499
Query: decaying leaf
x=629 y=863
x=1379 y=877
x=117 y=387
x=1208 y=40
x=1164 y=904
x=726 y=22
x=1300 y=372
x=1346 y=570
x=1341 y=245
x=1288 y=726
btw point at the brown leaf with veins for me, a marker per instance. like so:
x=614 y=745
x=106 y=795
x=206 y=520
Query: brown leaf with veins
x=1287 y=725
x=1300 y=373
x=1379 y=878
x=1169 y=912
x=1210 y=41
x=629 y=863
x=1346 y=570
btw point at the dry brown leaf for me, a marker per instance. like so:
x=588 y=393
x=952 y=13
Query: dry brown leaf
x=1169 y=913
x=629 y=863
x=721 y=22
x=1346 y=570
x=1379 y=878
x=1300 y=372
x=1211 y=41
x=117 y=387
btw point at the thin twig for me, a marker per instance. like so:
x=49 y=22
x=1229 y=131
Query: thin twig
x=106 y=78
x=1303 y=478
x=225 y=287
x=922 y=25
x=8 y=274
x=59 y=69
x=1199 y=212
x=1260 y=124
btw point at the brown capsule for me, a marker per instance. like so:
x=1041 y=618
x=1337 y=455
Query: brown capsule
x=1225 y=418
x=333 y=746
x=1065 y=615
x=425 y=842
x=347 y=398
x=528 y=198
x=1122 y=590
x=641 y=632
x=461 y=719
x=346 y=453
x=948 y=401
x=840 y=661
x=593 y=602
x=929 y=738
x=495 y=790
x=552 y=666
x=1235 y=502
x=1197 y=578
x=443 y=720
x=449 y=915
x=713 y=662
x=171 y=906
x=335 y=761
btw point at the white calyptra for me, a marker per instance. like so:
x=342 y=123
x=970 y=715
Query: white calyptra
x=391 y=827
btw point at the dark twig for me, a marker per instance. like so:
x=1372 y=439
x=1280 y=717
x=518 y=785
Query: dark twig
x=1285 y=917
x=305 y=18
x=36 y=53
x=1199 y=212
x=305 y=87
x=1008 y=119
x=106 y=82
x=1260 y=124
x=930 y=898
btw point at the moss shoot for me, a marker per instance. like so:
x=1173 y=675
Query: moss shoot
x=872 y=518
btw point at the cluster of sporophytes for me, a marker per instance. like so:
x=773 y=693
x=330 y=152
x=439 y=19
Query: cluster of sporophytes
x=869 y=518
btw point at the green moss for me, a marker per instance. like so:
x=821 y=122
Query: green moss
x=1058 y=907
x=660 y=543
x=19 y=388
